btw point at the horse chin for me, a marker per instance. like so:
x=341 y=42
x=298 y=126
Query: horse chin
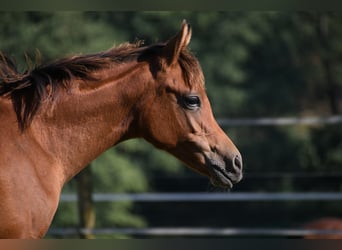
x=220 y=180
x=216 y=175
x=219 y=177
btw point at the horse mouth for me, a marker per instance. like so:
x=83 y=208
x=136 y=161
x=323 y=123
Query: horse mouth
x=220 y=178
x=221 y=174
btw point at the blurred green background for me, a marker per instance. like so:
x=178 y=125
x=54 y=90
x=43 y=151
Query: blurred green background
x=256 y=64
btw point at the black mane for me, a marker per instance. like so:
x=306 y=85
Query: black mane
x=28 y=89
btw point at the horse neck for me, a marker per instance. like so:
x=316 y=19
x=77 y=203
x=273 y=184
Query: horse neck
x=92 y=117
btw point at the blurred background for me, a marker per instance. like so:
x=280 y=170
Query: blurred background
x=256 y=65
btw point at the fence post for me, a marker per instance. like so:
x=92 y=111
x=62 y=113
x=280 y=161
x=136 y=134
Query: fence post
x=86 y=210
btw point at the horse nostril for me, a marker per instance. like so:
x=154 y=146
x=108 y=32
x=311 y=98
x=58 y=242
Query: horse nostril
x=237 y=162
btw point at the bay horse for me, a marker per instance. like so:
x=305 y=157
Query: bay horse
x=55 y=118
x=332 y=226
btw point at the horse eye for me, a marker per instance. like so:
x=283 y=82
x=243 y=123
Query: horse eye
x=191 y=102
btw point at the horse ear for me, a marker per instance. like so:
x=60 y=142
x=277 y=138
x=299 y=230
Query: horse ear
x=177 y=43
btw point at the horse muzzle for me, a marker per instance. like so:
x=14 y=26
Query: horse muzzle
x=224 y=171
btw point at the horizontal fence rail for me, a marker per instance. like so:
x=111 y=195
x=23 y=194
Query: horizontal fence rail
x=208 y=197
x=217 y=197
x=181 y=231
x=281 y=121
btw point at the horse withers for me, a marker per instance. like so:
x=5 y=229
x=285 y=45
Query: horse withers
x=58 y=117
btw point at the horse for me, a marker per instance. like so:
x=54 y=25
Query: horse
x=57 y=117
x=331 y=228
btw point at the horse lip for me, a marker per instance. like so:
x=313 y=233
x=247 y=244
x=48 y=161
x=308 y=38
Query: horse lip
x=218 y=176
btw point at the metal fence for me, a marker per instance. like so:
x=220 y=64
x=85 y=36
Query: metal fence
x=199 y=232
x=204 y=231
x=217 y=197
x=281 y=121
x=208 y=197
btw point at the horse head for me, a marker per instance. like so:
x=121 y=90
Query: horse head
x=179 y=115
